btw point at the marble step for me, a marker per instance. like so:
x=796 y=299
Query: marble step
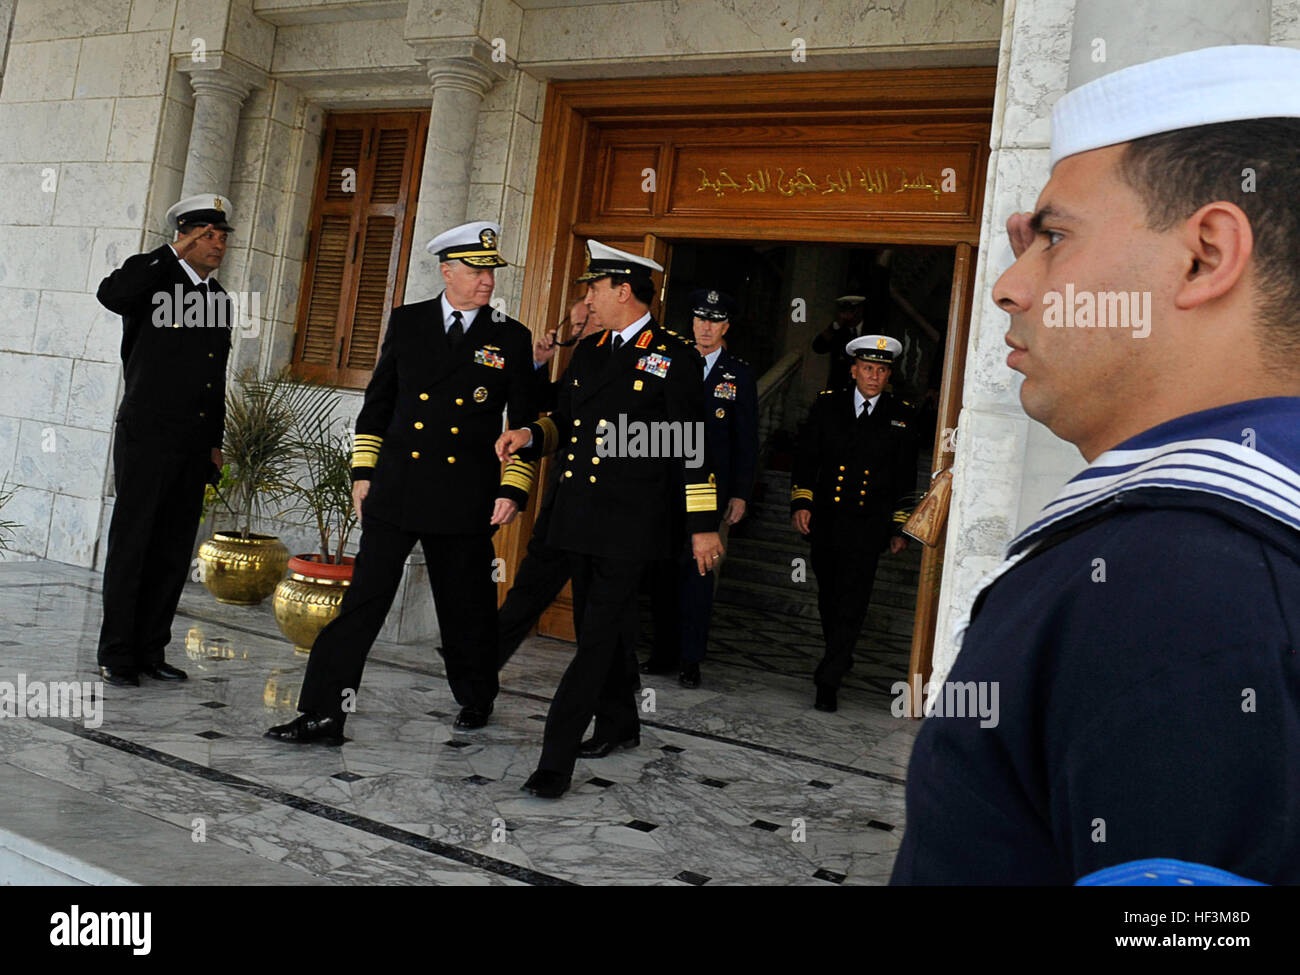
x=775 y=599
x=54 y=835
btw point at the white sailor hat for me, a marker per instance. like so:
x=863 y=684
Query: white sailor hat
x=201 y=208
x=602 y=261
x=851 y=299
x=1215 y=84
x=874 y=348
x=474 y=243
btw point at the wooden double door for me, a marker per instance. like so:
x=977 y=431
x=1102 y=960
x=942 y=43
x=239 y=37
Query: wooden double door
x=866 y=158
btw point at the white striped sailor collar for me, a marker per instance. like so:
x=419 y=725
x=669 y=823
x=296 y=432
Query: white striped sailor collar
x=1200 y=452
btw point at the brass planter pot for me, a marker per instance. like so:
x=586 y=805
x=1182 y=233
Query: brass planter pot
x=309 y=598
x=242 y=571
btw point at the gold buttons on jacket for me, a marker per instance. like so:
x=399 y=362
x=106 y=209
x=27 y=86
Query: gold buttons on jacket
x=451 y=460
x=419 y=425
x=573 y=440
x=424 y=396
x=455 y=430
x=459 y=401
x=841 y=467
x=577 y=423
x=595 y=460
x=415 y=455
x=208 y=385
x=837 y=500
x=599 y=440
x=862 y=492
x=570 y=456
x=593 y=478
x=202 y=415
x=841 y=477
x=568 y=473
x=209 y=355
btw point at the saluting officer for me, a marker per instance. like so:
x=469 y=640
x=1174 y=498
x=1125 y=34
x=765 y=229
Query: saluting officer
x=853 y=473
x=683 y=599
x=424 y=469
x=175 y=342
x=613 y=512
x=844 y=327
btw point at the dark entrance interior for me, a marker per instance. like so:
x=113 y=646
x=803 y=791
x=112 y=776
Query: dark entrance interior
x=765 y=615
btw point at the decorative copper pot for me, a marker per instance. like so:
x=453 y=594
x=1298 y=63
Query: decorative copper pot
x=239 y=570
x=310 y=597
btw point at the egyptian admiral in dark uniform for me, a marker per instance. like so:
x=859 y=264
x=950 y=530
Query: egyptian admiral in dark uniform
x=683 y=599
x=176 y=322
x=854 y=474
x=424 y=469
x=613 y=508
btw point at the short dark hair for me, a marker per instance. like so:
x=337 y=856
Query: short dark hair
x=643 y=288
x=1254 y=163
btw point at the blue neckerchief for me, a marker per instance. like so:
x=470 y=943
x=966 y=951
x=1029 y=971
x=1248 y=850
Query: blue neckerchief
x=1203 y=452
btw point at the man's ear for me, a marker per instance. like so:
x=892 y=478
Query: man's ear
x=1218 y=242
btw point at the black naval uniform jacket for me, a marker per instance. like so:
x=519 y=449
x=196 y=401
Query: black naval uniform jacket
x=173 y=352
x=731 y=424
x=427 y=431
x=616 y=506
x=855 y=475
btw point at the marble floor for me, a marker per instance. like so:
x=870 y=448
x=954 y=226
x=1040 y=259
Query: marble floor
x=737 y=782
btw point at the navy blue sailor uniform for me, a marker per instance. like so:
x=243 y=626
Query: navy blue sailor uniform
x=1136 y=661
x=614 y=513
x=425 y=439
x=175 y=344
x=683 y=599
x=857 y=475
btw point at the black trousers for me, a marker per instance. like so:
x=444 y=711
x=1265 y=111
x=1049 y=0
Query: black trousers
x=844 y=580
x=683 y=603
x=601 y=680
x=464 y=596
x=150 y=539
x=542 y=574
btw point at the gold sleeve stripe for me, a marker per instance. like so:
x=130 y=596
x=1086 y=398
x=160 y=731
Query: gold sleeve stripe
x=801 y=494
x=550 y=434
x=702 y=497
x=901 y=516
x=365 y=449
x=519 y=474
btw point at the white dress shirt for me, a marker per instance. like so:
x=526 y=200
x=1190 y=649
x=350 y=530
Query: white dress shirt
x=859 y=399
x=467 y=317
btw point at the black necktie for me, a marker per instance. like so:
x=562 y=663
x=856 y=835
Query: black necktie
x=866 y=410
x=456 y=332
x=618 y=340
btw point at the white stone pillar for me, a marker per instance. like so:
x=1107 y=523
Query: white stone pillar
x=220 y=86
x=1007 y=466
x=460 y=74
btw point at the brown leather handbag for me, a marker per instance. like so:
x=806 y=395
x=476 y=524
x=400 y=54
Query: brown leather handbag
x=927 y=519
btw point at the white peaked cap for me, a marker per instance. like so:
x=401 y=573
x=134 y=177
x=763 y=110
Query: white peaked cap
x=1214 y=84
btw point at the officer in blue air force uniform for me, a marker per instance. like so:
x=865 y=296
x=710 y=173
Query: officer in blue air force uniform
x=683 y=599
x=176 y=322
x=613 y=512
x=424 y=469
x=854 y=473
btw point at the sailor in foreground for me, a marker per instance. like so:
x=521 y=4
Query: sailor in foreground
x=854 y=476
x=424 y=470
x=167 y=445
x=1141 y=635
x=613 y=508
x=682 y=598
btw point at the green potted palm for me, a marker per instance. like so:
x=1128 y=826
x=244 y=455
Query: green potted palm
x=6 y=527
x=239 y=565
x=310 y=596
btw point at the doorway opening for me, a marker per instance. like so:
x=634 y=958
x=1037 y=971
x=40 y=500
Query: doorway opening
x=765 y=610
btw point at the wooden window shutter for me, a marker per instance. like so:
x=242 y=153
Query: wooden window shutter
x=359 y=243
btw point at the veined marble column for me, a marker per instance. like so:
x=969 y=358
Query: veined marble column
x=220 y=86
x=459 y=83
x=1133 y=33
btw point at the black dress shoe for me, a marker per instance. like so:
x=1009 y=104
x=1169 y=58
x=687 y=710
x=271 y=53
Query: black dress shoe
x=546 y=784
x=657 y=666
x=119 y=676
x=690 y=675
x=310 y=728
x=471 y=718
x=164 y=671
x=826 y=699
x=599 y=748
